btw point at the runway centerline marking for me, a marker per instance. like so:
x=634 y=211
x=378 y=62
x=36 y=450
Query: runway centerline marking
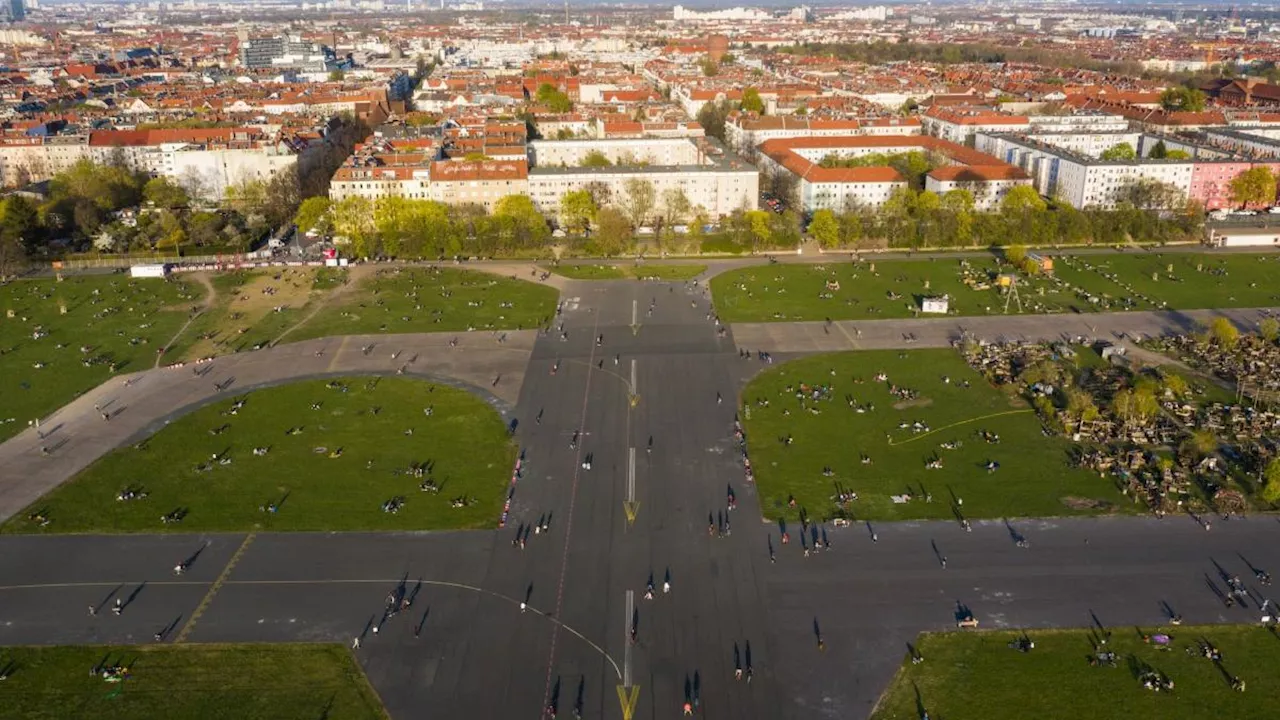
x=213 y=589
x=573 y=498
x=626 y=629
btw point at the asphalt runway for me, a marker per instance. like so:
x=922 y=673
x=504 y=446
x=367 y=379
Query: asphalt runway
x=466 y=646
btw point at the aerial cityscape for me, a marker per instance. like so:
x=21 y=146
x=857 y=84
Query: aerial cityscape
x=379 y=360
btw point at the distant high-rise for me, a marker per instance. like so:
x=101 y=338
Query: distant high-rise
x=13 y=10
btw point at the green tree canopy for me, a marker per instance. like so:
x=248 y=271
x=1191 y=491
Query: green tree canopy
x=312 y=214
x=1255 y=186
x=595 y=158
x=751 y=101
x=1119 y=151
x=825 y=228
x=1182 y=98
x=555 y=100
x=577 y=211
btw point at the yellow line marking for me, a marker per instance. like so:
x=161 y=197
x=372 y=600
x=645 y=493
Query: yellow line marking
x=213 y=589
x=631 y=507
x=627 y=697
x=850 y=338
x=957 y=424
x=341 y=346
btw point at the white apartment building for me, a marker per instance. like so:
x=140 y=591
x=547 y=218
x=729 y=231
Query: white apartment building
x=649 y=151
x=1092 y=144
x=744 y=132
x=987 y=184
x=718 y=189
x=205 y=162
x=1083 y=181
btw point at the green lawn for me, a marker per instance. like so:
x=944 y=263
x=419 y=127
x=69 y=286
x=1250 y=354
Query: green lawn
x=1084 y=283
x=643 y=271
x=112 y=325
x=412 y=300
x=181 y=682
x=464 y=438
x=1034 y=477
x=976 y=675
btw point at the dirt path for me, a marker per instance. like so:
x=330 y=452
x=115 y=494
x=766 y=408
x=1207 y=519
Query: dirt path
x=210 y=295
x=355 y=275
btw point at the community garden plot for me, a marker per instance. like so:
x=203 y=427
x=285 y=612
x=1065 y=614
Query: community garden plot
x=435 y=299
x=996 y=676
x=904 y=435
x=185 y=682
x=59 y=339
x=346 y=454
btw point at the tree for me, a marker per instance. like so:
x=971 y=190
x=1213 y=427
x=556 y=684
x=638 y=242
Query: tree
x=712 y=117
x=1271 y=481
x=1177 y=155
x=595 y=158
x=1182 y=98
x=825 y=228
x=613 y=231
x=13 y=256
x=1151 y=194
x=1136 y=406
x=1119 y=151
x=1269 y=329
x=1255 y=186
x=709 y=67
x=751 y=101
x=312 y=213
x=577 y=211
x=1223 y=332
x=337 y=76
x=1159 y=151
x=353 y=219
x=529 y=228
x=958 y=200
x=675 y=207
x=758 y=226
x=1080 y=405
x=1022 y=198
x=19 y=222
x=1015 y=254
x=164 y=193
x=553 y=98
x=638 y=200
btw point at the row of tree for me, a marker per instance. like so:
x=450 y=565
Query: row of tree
x=911 y=219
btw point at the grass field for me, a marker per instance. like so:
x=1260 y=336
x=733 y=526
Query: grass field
x=411 y=300
x=1033 y=479
x=185 y=682
x=349 y=457
x=977 y=675
x=111 y=324
x=252 y=308
x=1087 y=283
x=624 y=271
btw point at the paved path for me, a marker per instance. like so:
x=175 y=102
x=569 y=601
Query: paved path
x=807 y=337
x=467 y=648
x=140 y=403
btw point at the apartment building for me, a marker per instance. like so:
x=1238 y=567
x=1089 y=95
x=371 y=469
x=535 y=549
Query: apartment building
x=987 y=183
x=838 y=188
x=743 y=132
x=483 y=182
x=205 y=161
x=627 y=151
